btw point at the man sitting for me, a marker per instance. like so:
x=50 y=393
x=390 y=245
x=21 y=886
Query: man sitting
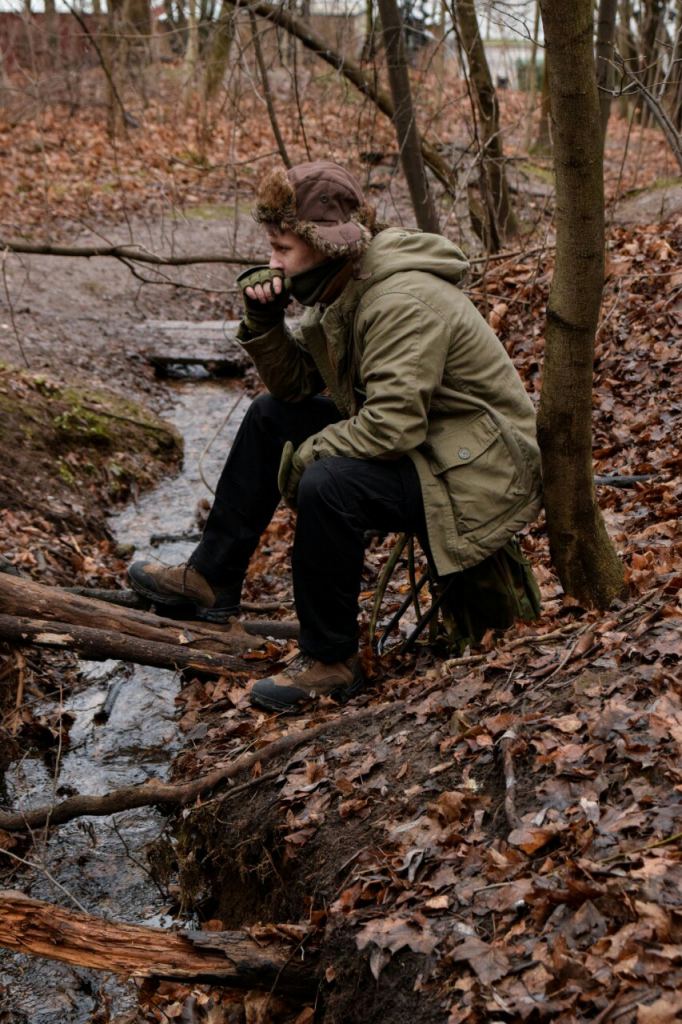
x=427 y=428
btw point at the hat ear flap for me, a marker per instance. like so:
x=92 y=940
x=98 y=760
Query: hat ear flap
x=275 y=199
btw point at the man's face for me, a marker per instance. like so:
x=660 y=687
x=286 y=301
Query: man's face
x=291 y=254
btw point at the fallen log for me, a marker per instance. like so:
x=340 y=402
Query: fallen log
x=233 y=958
x=153 y=793
x=100 y=644
x=24 y=597
x=276 y=628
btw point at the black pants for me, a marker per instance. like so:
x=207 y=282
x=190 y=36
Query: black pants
x=338 y=500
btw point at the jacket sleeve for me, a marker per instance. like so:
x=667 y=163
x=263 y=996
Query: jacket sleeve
x=405 y=344
x=285 y=367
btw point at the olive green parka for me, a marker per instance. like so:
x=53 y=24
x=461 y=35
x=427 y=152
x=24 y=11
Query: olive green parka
x=415 y=370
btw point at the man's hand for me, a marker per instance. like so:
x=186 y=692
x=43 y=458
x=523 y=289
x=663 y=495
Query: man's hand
x=291 y=469
x=266 y=295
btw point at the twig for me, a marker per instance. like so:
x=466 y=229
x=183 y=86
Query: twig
x=508 y=744
x=43 y=870
x=10 y=306
x=209 y=443
x=642 y=849
x=154 y=427
x=100 y=56
x=167 y=794
x=519 y=641
x=570 y=652
x=21 y=680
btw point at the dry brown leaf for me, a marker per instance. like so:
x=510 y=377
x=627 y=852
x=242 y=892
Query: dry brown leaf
x=664 y=1011
x=395 y=933
x=489 y=963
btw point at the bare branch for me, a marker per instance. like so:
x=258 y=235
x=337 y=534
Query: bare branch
x=125 y=252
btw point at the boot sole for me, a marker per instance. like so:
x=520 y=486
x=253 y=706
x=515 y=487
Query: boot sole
x=341 y=695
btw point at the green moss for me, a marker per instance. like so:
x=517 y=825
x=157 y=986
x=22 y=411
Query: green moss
x=534 y=170
x=71 y=437
x=78 y=425
x=66 y=474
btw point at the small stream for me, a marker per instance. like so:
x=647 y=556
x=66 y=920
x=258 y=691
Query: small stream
x=100 y=864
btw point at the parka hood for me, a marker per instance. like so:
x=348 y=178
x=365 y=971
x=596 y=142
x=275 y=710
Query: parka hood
x=395 y=250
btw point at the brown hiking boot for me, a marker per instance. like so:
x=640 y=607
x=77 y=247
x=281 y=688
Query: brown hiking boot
x=181 y=585
x=304 y=680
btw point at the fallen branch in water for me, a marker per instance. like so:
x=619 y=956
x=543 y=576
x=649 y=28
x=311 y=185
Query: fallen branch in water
x=234 y=958
x=165 y=793
x=24 y=597
x=100 y=644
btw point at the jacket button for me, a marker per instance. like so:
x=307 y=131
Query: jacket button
x=464 y=454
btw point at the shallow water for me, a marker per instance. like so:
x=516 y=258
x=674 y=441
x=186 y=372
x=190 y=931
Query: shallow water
x=100 y=864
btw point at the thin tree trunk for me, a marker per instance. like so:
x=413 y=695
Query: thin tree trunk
x=52 y=35
x=404 y=118
x=192 y=51
x=627 y=49
x=267 y=91
x=533 y=75
x=586 y=561
x=219 y=48
x=369 y=43
x=500 y=214
x=654 y=10
x=606 y=33
x=543 y=139
x=673 y=87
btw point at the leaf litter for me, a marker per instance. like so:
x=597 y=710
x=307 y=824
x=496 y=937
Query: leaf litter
x=399 y=834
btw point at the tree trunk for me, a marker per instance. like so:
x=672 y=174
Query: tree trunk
x=501 y=221
x=606 y=33
x=219 y=48
x=586 y=561
x=404 y=118
x=627 y=49
x=369 y=48
x=192 y=51
x=543 y=140
x=533 y=76
x=52 y=34
x=653 y=15
x=267 y=91
x=233 y=958
x=673 y=87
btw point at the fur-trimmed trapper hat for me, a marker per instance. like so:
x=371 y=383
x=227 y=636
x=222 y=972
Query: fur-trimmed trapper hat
x=322 y=203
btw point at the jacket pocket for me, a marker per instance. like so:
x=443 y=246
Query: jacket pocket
x=472 y=459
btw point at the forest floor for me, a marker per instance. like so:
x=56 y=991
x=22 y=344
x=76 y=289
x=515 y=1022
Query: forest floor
x=502 y=842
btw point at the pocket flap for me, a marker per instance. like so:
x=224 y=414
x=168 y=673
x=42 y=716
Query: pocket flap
x=457 y=443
